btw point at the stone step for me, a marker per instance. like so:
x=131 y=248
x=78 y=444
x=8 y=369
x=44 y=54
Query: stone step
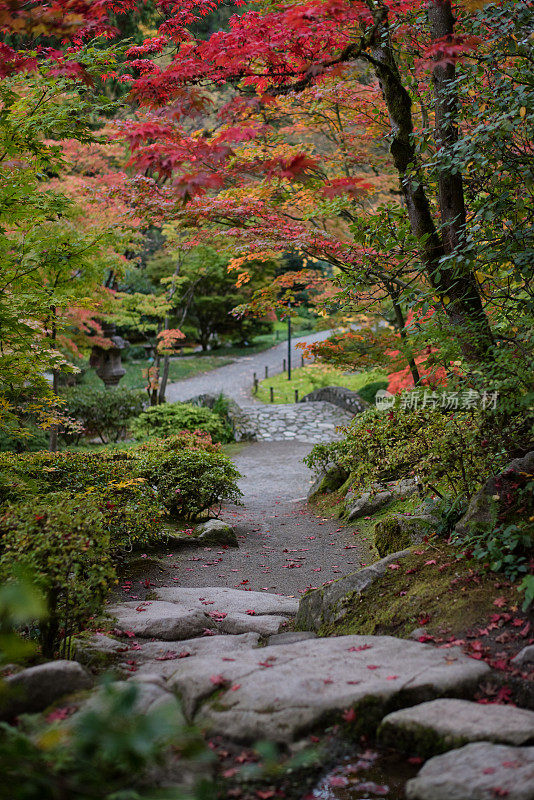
x=440 y=725
x=476 y=772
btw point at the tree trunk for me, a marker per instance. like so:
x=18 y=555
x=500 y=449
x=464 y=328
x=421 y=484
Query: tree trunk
x=52 y=436
x=399 y=316
x=450 y=185
x=457 y=290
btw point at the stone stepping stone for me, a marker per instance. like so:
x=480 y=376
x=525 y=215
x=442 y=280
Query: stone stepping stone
x=187 y=613
x=282 y=691
x=480 y=771
x=228 y=600
x=441 y=725
x=158 y=620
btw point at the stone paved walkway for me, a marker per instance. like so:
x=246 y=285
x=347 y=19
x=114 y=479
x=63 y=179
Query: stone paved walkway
x=305 y=422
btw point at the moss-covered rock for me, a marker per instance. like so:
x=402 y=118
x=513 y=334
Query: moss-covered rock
x=330 y=603
x=328 y=482
x=432 y=583
x=398 y=532
x=498 y=499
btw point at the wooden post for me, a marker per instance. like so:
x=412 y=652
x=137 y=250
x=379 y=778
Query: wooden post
x=266 y=372
x=296 y=395
x=283 y=365
x=302 y=361
x=255 y=384
x=271 y=392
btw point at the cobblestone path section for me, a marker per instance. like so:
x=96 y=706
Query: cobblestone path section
x=304 y=422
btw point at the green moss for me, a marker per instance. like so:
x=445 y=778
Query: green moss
x=389 y=537
x=450 y=593
x=395 y=532
x=418 y=740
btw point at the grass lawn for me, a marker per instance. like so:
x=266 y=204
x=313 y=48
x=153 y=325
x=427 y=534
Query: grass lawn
x=180 y=368
x=314 y=376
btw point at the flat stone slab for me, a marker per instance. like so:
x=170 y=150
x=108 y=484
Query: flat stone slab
x=159 y=620
x=441 y=725
x=480 y=771
x=35 y=688
x=282 y=691
x=222 y=598
x=159 y=658
x=186 y=613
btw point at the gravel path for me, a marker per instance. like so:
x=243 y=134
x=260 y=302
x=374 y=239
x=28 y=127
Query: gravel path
x=236 y=379
x=283 y=547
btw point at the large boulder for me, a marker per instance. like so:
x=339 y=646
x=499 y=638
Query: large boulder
x=400 y=531
x=281 y=692
x=35 y=688
x=440 y=725
x=331 y=602
x=479 y=771
x=327 y=482
x=377 y=497
x=497 y=498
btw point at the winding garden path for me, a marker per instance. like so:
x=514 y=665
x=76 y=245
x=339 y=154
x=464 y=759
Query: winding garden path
x=236 y=380
x=283 y=546
x=207 y=624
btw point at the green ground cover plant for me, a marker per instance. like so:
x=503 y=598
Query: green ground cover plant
x=315 y=376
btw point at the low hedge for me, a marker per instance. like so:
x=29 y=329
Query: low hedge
x=66 y=516
x=167 y=419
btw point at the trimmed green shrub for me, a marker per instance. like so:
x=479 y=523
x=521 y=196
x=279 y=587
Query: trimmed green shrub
x=61 y=540
x=103 y=412
x=368 y=392
x=170 y=418
x=190 y=482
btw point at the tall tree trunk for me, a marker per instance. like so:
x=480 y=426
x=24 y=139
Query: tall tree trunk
x=164 y=377
x=450 y=185
x=399 y=317
x=166 y=358
x=457 y=289
x=52 y=436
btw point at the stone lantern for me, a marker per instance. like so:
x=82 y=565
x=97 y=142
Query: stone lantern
x=107 y=361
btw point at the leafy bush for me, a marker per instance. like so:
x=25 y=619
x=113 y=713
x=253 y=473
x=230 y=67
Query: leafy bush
x=170 y=418
x=190 y=482
x=368 y=392
x=61 y=539
x=103 y=412
x=43 y=472
x=451 y=453
x=133 y=489
x=183 y=440
x=103 y=753
x=36 y=439
x=508 y=545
